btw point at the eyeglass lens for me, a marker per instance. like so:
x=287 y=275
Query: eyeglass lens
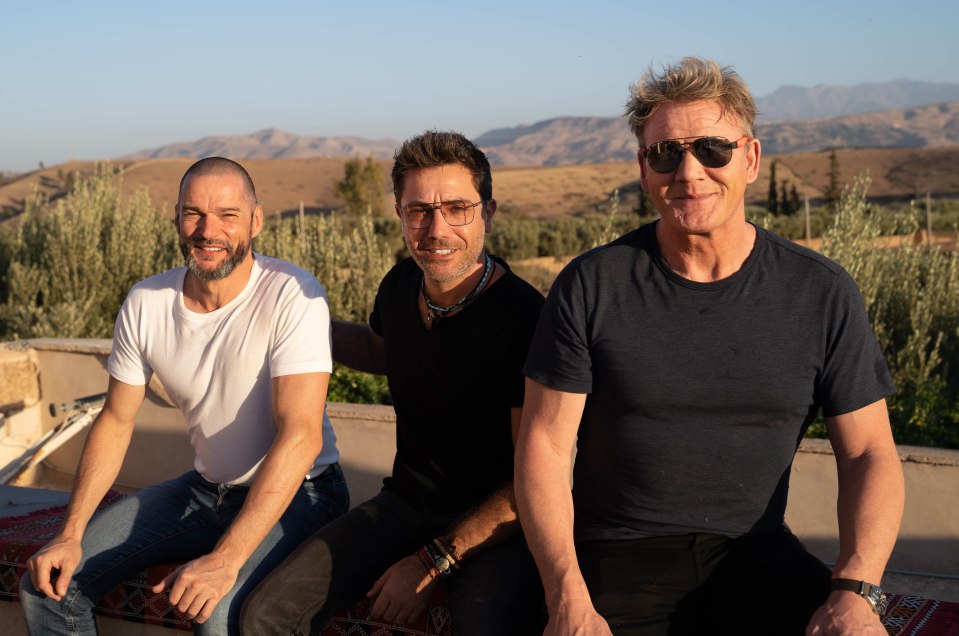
x=712 y=152
x=419 y=215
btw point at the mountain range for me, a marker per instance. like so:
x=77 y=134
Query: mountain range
x=898 y=114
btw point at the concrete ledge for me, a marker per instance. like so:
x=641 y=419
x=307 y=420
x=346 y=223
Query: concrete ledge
x=915 y=454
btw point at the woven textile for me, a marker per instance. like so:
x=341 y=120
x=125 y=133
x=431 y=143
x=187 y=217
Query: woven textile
x=916 y=616
x=356 y=621
x=23 y=535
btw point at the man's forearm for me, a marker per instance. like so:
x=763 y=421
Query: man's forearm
x=871 y=490
x=546 y=510
x=870 y=506
x=99 y=465
x=489 y=523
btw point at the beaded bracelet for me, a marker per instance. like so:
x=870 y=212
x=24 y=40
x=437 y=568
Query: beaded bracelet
x=428 y=562
x=439 y=561
x=448 y=552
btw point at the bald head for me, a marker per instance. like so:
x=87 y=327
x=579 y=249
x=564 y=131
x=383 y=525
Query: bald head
x=219 y=166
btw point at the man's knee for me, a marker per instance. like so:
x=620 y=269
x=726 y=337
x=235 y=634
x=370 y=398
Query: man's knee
x=260 y=617
x=44 y=614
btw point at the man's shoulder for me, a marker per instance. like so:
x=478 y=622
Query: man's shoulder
x=519 y=289
x=403 y=270
x=281 y=267
x=798 y=256
x=277 y=272
x=169 y=281
x=610 y=260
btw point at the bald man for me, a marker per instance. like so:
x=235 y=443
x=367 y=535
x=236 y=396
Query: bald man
x=232 y=337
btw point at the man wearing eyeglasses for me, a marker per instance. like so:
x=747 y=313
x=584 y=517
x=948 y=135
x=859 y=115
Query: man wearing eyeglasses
x=689 y=357
x=450 y=328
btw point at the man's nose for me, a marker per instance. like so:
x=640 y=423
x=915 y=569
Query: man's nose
x=689 y=168
x=438 y=224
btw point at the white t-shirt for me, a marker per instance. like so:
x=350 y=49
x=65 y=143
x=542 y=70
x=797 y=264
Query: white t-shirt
x=217 y=366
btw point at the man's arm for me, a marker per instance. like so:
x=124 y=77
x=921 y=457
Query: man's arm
x=357 y=346
x=100 y=463
x=543 y=458
x=298 y=401
x=402 y=593
x=871 y=497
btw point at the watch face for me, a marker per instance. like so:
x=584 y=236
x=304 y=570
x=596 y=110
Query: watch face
x=878 y=599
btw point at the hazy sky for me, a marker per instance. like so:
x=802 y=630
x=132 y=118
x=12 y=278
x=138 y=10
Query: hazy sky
x=88 y=80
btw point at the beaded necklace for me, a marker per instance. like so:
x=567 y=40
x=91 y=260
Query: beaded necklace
x=435 y=312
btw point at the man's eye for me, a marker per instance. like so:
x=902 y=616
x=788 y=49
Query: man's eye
x=459 y=208
x=416 y=211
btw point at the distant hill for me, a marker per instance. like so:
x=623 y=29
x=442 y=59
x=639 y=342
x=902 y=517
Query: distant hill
x=797 y=102
x=930 y=126
x=560 y=140
x=898 y=114
x=271 y=144
x=565 y=140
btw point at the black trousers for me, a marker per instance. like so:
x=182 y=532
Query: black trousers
x=497 y=592
x=705 y=584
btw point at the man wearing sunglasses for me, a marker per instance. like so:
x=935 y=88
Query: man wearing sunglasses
x=688 y=357
x=450 y=328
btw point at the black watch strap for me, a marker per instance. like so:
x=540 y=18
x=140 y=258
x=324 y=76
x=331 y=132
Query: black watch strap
x=872 y=593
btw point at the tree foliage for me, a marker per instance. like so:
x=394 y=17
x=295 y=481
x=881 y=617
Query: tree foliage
x=362 y=186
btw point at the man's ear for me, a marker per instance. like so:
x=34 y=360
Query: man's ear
x=642 y=170
x=256 y=223
x=753 y=152
x=488 y=211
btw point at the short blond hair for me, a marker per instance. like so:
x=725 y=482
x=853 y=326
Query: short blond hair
x=692 y=79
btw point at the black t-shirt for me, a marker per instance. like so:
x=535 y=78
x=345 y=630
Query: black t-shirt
x=699 y=393
x=453 y=387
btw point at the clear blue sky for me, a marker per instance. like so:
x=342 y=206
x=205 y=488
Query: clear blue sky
x=90 y=80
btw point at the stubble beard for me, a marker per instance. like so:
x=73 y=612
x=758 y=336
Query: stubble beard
x=442 y=275
x=233 y=258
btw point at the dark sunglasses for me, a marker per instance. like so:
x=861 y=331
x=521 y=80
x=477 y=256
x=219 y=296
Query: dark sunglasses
x=713 y=152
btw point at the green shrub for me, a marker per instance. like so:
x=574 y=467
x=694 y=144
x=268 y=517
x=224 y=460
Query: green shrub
x=348 y=385
x=65 y=270
x=70 y=263
x=912 y=297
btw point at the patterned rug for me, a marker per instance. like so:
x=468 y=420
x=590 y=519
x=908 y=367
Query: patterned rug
x=916 y=616
x=23 y=535
x=356 y=621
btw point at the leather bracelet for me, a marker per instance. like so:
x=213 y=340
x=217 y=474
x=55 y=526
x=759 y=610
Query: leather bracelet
x=872 y=593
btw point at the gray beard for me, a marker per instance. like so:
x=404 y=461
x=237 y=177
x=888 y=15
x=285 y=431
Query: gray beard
x=224 y=269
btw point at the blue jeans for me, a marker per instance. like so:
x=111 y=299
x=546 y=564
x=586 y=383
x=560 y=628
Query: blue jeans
x=178 y=520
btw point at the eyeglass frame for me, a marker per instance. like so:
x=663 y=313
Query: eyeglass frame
x=688 y=146
x=433 y=207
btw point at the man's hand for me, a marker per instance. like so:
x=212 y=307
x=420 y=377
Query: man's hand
x=61 y=555
x=845 y=613
x=403 y=592
x=576 y=617
x=196 y=587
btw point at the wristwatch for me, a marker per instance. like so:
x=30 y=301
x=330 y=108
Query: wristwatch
x=870 y=592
